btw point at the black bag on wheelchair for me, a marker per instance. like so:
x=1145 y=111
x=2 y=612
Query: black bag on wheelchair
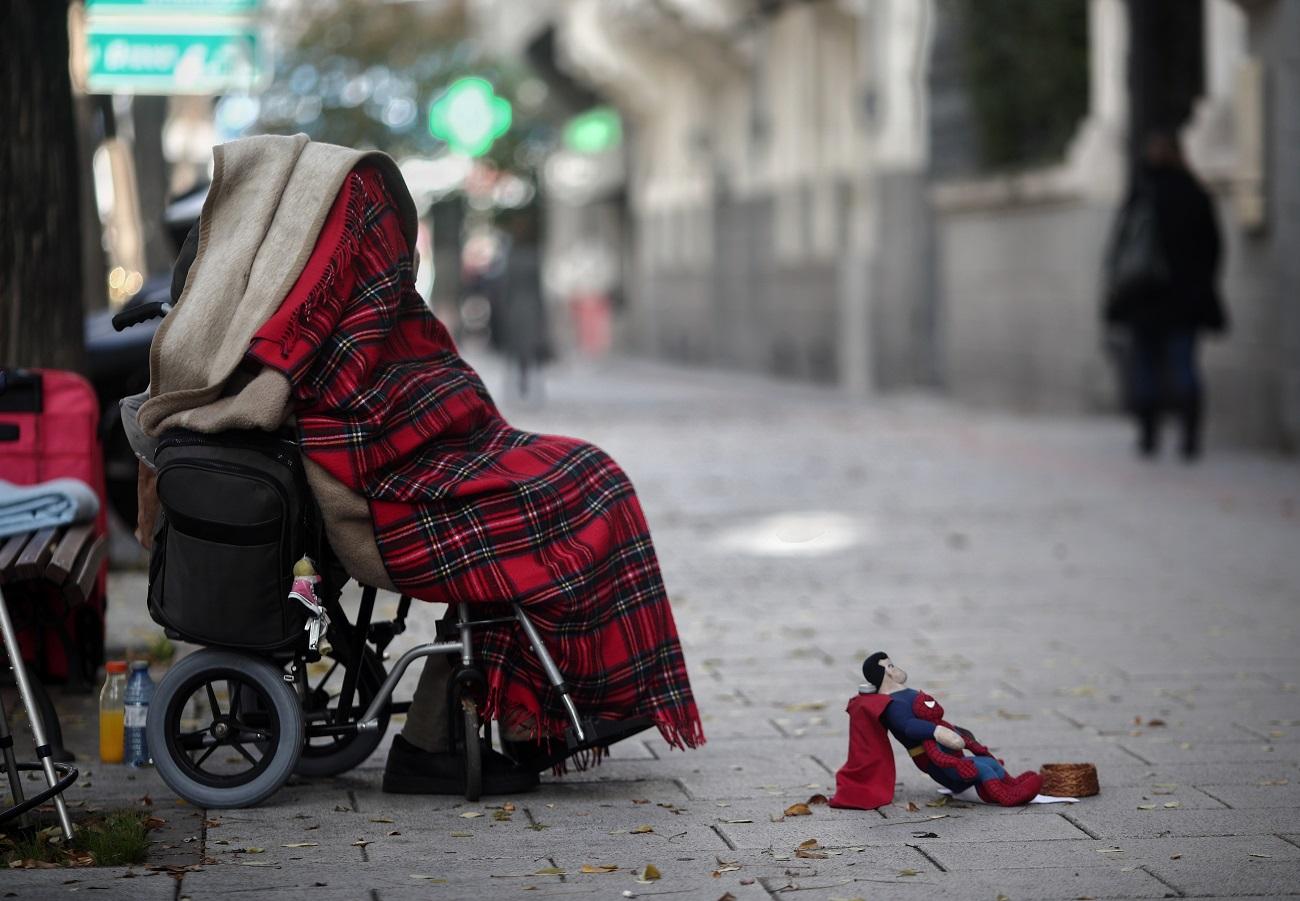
x=230 y=530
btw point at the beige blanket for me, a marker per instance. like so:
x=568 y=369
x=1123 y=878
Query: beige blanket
x=269 y=198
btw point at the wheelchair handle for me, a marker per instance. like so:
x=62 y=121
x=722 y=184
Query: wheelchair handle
x=143 y=312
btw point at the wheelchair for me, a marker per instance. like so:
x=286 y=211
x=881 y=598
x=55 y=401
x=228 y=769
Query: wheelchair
x=227 y=728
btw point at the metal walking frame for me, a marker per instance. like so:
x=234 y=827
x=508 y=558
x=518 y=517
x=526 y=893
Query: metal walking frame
x=58 y=776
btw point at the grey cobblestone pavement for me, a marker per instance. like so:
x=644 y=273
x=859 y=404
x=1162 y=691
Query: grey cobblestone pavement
x=1063 y=600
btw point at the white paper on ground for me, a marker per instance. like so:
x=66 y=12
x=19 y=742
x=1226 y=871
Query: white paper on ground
x=970 y=795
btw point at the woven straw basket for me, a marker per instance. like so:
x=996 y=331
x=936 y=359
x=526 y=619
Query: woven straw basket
x=1069 y=780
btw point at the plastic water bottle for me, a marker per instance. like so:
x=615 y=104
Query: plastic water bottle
x=139 y=692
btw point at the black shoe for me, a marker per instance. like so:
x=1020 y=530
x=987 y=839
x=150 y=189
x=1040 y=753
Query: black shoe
x=1148 y=443
x=412 y=771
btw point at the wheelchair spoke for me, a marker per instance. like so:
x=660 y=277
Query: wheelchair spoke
x=212 y=700
x=233 y=694
x=325 y=678
x=198 y=764
x=242 y=750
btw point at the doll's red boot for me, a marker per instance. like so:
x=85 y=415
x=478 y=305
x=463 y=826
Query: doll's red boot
x=1010 y=791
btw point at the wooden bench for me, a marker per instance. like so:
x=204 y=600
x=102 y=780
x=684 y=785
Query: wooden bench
x=68 y=558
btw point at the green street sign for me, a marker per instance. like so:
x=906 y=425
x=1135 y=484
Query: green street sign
x=205 y=7
x=172 y=62
x=469 y=116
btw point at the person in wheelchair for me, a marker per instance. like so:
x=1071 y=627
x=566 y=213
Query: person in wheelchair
x=296 y=307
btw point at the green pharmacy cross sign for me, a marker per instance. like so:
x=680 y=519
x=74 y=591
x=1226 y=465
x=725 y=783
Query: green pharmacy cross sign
x=469 y=116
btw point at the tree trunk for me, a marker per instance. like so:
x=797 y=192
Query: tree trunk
x=148 y=115
x=40 y=228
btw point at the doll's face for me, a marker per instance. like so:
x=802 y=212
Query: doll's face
x=893 y=672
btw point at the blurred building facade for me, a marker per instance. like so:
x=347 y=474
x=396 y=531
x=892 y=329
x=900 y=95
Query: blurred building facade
x=801 y=196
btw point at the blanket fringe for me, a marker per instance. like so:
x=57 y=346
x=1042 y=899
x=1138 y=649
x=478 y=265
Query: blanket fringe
x=679 y=732
x=340 y=258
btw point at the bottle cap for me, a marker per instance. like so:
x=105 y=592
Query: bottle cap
x=115 y=666
x=139 y=664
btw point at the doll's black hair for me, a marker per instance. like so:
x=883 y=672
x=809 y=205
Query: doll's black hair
x=872 y=671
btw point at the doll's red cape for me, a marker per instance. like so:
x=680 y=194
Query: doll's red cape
x=866 y=781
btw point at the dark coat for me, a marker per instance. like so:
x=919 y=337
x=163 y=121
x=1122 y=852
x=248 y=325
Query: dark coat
x=1188 y=298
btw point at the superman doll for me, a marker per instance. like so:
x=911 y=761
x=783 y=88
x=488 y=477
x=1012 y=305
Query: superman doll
x=937 y=747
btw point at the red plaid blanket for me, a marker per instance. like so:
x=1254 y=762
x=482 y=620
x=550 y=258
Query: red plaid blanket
x=466 y=508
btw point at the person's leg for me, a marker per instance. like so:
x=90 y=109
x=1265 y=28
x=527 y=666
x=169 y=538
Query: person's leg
x=1185 y=388
x=1145 y=363
x=426 y=722
x=421 y=760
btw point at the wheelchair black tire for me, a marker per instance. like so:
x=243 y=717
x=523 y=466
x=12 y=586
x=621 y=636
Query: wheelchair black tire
x=472 y=748
x=348 y=752
x=280 y=745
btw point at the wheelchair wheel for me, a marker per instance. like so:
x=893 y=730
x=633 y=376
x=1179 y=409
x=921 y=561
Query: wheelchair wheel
x=224 y=728
x=473 y=749
x=329 y=755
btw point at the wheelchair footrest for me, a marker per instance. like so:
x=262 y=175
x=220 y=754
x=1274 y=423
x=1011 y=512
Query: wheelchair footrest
x=599 y=733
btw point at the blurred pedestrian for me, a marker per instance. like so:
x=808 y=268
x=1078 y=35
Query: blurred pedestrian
x=1161 y=294
x=524 y=336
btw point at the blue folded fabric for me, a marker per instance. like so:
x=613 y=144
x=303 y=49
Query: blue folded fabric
x=58 y=502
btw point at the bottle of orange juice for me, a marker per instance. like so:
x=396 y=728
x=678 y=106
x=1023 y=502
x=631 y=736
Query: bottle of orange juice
x=112 y=712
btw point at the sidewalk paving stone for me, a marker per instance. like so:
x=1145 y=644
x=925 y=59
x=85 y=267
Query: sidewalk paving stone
x=1160 y=822
x=1103 y=853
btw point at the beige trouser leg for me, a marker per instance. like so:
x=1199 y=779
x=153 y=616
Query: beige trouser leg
x=426 y=722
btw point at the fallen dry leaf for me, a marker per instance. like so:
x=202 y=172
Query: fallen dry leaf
x=641 y=830
x=361 y=843
x=811 y=855
x=380 y=820
x=437 y=880
x=598 y=868
x=809 y=844
x=912 y=808
x=798 y=810
x=908 y=871
x=471 y=814
x=805 y=706
x=649 y=873
x=549 y=871
x=1175 y=856
x=302 y=845
x=818 y=799
x=462 y=835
